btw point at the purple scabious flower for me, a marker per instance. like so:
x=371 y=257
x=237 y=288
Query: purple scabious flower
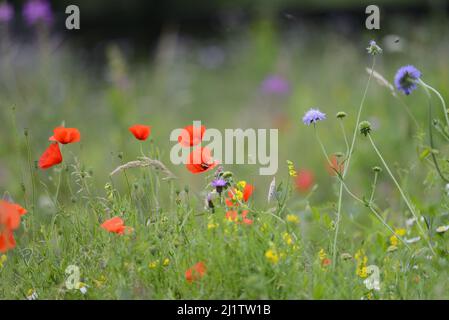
x=373 y=48
x=275 y=84
x=6 y=12
x=406 y=79
x=219 y=184
x=36 y=11
x=313 y=116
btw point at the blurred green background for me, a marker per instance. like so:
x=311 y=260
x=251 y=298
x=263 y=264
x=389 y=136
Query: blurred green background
x=167 y=64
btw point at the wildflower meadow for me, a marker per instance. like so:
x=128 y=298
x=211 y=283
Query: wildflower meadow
x=281 y=159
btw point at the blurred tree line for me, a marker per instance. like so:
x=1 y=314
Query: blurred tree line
x=146 y=19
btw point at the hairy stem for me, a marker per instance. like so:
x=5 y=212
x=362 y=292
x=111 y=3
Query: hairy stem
x=406 y=200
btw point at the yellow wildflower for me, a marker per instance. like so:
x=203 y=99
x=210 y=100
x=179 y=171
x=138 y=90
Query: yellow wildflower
x=287 y=238
x=264 y=227
x=241 y=184
x=238 y=195
x=322 y=254
x=362 y=261
x=394 y=240
x=100 y=281
x=324 y=260
x=3 y=259
x=153 y=264
x=212 y=224
x=272 y=256
x=293 y=218
x=291 y=169
x=166 y=262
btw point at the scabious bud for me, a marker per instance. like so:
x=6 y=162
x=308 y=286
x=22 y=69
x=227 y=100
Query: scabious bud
x=365 y=128
x=373 y=49
x=341 y=115
x=227 y=174
x=339 y=154
x=377 y=169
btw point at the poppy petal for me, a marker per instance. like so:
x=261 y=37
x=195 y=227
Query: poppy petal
x=52 y=156
x=191 y=136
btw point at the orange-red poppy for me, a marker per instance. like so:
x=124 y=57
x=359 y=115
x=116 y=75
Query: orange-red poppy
x=196 y=272
x=116 y=225
x=9 y=215
x=334 y=166
x=191 y=136
x=140 y=131
x=234 y=217
x=51 y=157
x=326 y=262
x=247 y=191
x=9 y=221
x=65 y=135
x=200 y=160
x=7 y=241
x=304 y=180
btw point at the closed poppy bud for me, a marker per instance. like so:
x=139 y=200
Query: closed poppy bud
x=140 y=132
x=51 y=157
x=65 y=135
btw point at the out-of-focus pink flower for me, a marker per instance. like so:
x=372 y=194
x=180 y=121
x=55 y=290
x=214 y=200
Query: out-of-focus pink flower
x=37 y=11
x=6 y=12
x=276 y=85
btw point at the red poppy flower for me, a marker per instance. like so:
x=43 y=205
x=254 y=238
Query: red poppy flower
x=9 y=215
x=196 y=272
x=116 y=225
x=65 y=135
x=326 y=262
x=51 y=157
x=7 y=241
x=191 y=136
x=334 y=166
x=140 y=131
x=233 y=216
x=247 y=191
x=19 y=209
x=200 y=160
x=304 y=180
x=9 y=220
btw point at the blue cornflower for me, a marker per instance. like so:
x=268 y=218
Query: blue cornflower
x=219 y=184
x=313 y=116
x=406 y=79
